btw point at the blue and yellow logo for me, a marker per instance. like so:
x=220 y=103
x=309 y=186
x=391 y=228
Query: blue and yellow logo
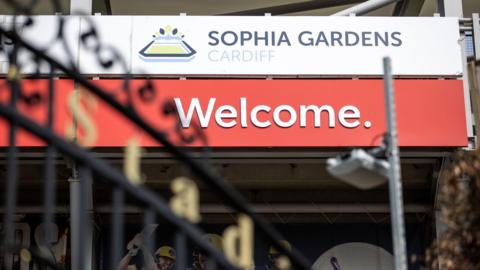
x=167 y=45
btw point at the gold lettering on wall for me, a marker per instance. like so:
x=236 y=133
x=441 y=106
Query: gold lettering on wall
x=132 y=161
x=240 y=236
x=185 y=200
x=81 y=117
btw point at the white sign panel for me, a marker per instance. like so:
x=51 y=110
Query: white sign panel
x=295 y=45
x=283 y=45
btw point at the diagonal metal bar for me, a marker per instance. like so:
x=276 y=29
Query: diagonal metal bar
x=365 y=7
x=295 y=7
x=105 y=171
x=226 y=192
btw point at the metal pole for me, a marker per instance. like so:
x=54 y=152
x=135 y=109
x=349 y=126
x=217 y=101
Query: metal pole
x=81 y=210
x=394 y=183
x=81 y=244
x=364 y=7
x=75 y=212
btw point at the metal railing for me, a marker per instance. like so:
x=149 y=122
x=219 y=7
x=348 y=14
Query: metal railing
x=91 y=169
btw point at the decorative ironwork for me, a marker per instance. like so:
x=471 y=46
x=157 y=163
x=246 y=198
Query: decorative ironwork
x=86 y=164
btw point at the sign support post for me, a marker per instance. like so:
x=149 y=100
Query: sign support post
x=394 y=181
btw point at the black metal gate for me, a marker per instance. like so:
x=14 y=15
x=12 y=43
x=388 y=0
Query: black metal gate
x=91 y=168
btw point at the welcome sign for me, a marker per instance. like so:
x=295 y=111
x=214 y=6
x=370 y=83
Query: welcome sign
x=265 y=113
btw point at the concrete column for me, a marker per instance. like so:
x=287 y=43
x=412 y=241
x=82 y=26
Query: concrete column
x=450 y=8
x=476 y=76
x=81 y=7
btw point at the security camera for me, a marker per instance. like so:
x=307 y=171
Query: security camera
x=359 y=169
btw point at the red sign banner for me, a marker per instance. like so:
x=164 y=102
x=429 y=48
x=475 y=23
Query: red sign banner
x=262 y=113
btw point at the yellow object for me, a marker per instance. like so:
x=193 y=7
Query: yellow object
x=215 y=240
x=241 y=234
x=166 y=251
x=13 y=74
x=159 y=48
x=284 y=243
x=284 y=263
x=185 y=201
x=25 y=255
x=82 y=117
x=131 y=165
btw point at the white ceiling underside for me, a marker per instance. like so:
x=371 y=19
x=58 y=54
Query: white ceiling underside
x=215 y=7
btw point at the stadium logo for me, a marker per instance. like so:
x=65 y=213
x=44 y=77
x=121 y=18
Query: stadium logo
x=167 y=46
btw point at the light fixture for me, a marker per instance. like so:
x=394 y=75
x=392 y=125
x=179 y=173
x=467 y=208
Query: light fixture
x=360 y=169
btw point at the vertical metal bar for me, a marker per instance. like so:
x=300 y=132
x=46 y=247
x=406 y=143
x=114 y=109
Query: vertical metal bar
x=466 y=91
x=148 y=238
x=12 y=174
x=75 y=201
x=12 y=162
x=474 y=73
x=85 y=218
x=181 y=249
x=394 y=183
x=12 y=169
x=49 y=195
x=117 y=223
x=80 y=208
x=75 y=211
